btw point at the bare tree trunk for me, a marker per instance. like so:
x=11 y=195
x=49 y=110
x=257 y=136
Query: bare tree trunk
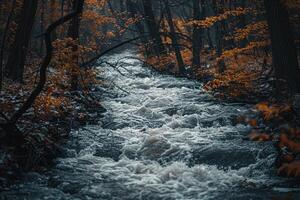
x=220 y=28
x=139 y=27
x=175 y=43
x=197 y=40
x=242 y=21
x=42 y=21
x=10 y=126
x=52 y=16
x=17 y=55
x=284 y=52
x=153 y=28
x=74 y=34
x=62 y=8
x=6 y=29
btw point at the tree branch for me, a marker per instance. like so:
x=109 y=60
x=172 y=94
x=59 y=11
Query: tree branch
x=43 y=69
x=110 y=49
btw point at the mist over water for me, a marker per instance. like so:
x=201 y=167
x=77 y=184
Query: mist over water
x=162 y=138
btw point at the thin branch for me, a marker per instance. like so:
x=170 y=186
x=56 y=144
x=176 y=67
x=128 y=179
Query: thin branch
x=43 y=69
x=115 y=67
x=109 y=50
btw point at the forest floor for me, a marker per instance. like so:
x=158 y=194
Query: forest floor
x=44 y=136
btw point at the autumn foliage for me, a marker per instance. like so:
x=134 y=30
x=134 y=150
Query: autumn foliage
x=287 y=138
x=227 y=45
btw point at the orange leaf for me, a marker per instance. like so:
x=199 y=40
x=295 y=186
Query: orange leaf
x=260 y=137
x=290 y=169
x=253 y=123
x=285 y=141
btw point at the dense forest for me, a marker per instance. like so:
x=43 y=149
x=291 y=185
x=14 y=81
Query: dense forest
x=149 y=99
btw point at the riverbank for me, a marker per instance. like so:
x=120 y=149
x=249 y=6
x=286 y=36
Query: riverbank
x=274 y=117
x=162 y=137
x=45 y=135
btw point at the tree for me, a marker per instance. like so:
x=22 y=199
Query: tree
x=3 y=39
x=139 y=27
x=220 y=30
x=285 y=61
x=197 y=40
x=153 y=28
x=17 y=54
x=9 y=126
x=174 y=39
x=73 y=33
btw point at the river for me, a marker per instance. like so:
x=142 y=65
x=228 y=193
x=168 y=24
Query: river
x=162 y=138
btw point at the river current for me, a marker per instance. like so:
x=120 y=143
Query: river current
x=162 y=138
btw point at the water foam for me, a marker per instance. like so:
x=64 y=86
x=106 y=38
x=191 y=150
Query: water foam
x=164 y=138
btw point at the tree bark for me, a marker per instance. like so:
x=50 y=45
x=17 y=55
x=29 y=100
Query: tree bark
x=42 y=73
x=53 y=7
x=6 y=29
x=153 y=28
x=74 y=34
x=42 y=22
x=242 y=21
x=220 y=29
x=197 y=40
x=175 y=43
x=17 y=54
x=284 y=52
x=62 y=7
x=133 y=12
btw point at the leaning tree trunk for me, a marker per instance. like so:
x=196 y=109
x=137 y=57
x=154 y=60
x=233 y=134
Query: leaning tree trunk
x=74 y=34
x=284 y=51
x=17 y=54
x=197 y=41
x=153 y=28
x=175 y=43
x=12 y=132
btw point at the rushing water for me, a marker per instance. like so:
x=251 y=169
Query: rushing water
x=162 y=138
